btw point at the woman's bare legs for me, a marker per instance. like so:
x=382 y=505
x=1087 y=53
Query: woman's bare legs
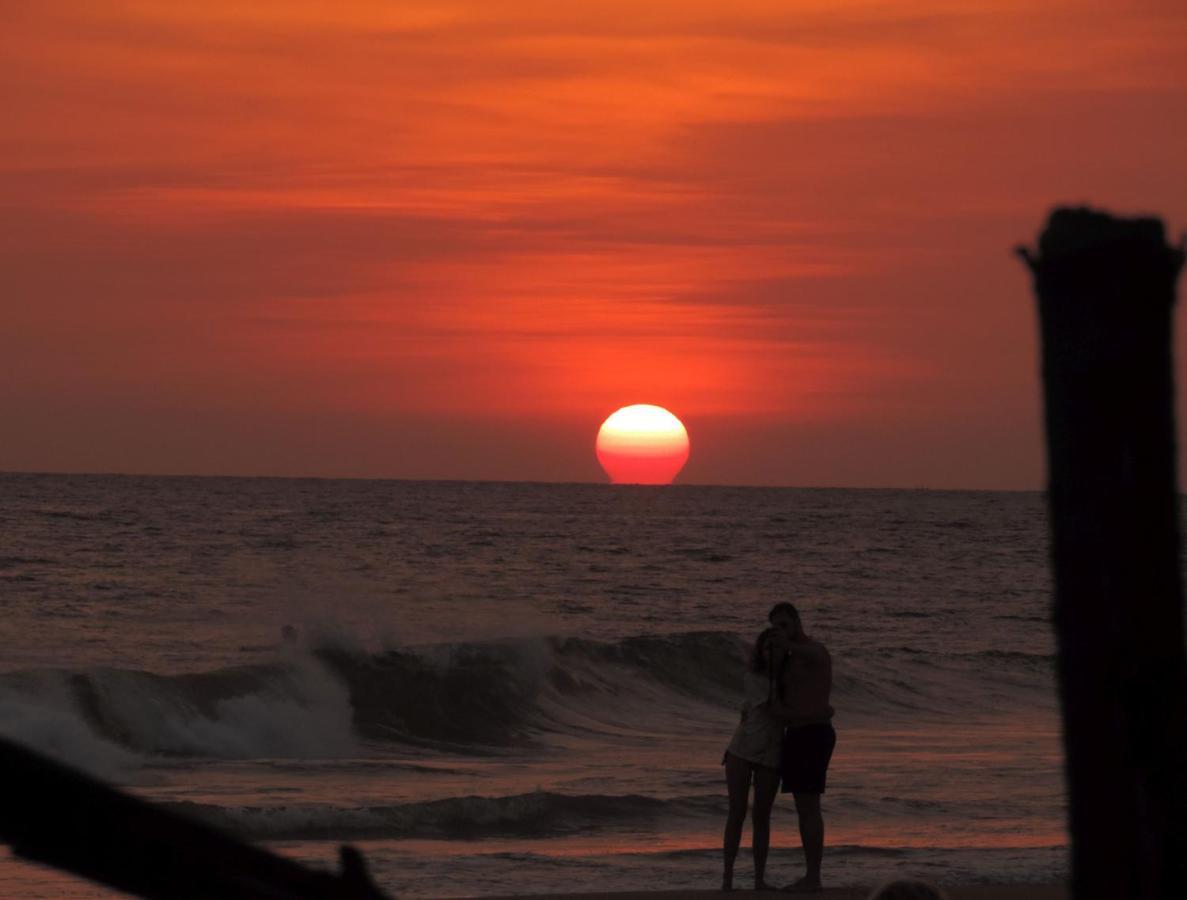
x=766 y=787
x=737 y=780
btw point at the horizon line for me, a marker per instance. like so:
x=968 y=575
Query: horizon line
x=444 y=480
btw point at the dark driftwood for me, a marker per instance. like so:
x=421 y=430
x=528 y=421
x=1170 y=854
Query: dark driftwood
x=52 y=814
x=1106 y=292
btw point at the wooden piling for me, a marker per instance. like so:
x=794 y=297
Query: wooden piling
x=1106 y=292
x=55 y=815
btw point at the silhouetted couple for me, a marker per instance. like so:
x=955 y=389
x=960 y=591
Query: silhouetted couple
x=785 y=736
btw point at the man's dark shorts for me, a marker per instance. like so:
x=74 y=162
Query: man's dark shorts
x=807 y=750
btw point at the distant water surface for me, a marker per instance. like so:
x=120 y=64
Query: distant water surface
x=498 y=688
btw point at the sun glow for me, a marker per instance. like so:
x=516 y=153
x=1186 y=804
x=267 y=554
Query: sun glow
x=642 y=444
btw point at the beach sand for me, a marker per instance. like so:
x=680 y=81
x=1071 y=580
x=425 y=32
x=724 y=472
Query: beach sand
x=971 y=892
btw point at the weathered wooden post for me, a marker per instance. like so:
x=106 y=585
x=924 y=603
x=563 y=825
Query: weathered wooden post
x=55 y=815
x=1106 y=292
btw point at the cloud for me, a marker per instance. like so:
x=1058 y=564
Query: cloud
x=438 y=213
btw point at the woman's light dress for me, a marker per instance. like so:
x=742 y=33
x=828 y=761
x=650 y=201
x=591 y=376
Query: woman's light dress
x=759 y=735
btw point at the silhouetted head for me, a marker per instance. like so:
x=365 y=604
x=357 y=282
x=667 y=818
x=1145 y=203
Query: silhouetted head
x=908 y=889
x=769 y=646
x=786 y=618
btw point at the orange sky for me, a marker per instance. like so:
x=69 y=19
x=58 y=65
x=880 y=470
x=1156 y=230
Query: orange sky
x=446 y=239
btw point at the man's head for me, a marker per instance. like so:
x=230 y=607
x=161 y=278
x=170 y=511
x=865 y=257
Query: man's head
x=786 y=618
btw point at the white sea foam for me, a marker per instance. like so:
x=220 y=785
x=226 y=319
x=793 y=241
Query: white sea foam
x=294 y=710
x=49 y=724
x=297 y=710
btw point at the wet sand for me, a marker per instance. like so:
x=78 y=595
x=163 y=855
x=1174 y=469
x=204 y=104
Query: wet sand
x=970 y=892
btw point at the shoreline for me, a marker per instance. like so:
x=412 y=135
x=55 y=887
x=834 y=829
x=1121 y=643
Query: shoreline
x=954 y=892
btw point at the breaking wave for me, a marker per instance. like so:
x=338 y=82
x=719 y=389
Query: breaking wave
x=466 y=697
x=102 y=718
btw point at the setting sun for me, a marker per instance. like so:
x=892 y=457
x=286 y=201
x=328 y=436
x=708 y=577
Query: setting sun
x=642 y=444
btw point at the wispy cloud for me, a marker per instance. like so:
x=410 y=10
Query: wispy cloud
x=793 y=212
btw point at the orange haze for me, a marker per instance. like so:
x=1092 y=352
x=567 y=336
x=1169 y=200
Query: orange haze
x=446 y=239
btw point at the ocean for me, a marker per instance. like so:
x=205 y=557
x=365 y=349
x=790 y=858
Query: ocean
x=516 y=687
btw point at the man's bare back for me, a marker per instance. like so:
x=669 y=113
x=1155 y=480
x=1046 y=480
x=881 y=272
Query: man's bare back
x=807 y=682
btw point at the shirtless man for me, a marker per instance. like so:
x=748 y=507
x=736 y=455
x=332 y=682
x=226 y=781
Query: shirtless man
x=808 y=743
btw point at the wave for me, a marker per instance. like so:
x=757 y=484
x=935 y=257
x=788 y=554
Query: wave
x=9 y=562
x=505 y=692
x=472 y=697
x=527 y=815
x=295 y=709
x=537 y=814
x=56 y=731
x=319 y=704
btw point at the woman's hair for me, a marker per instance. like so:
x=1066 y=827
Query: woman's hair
x=756 y=661
x=908 y=889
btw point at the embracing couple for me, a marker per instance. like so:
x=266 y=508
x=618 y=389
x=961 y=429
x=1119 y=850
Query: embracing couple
x=786 y=735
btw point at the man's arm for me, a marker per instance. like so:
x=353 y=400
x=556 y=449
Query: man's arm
x=808 y=649
x=788 y=716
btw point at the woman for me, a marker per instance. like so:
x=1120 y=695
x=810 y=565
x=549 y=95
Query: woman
x=753 y=757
